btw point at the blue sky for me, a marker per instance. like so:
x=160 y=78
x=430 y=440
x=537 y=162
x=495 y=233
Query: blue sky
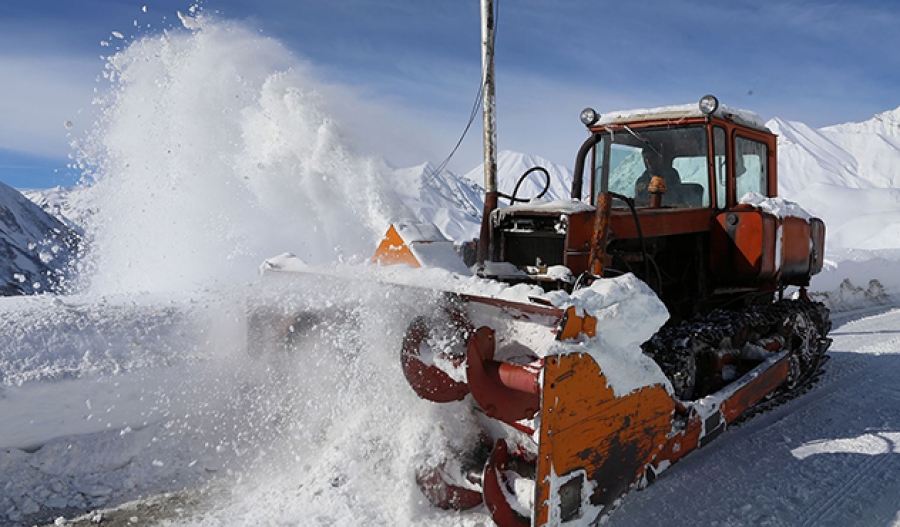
x=818 y=62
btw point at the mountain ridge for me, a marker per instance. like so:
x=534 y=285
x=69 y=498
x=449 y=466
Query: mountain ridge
x=36 y=248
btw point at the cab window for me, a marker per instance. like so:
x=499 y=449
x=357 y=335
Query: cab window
x=632 y=157
x=750 y=168
x=719 y=160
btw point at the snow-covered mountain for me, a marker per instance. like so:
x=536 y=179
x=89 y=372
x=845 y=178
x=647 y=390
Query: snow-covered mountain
x=855 y=155
x=451 y=202
x=454 y=203
x=63 y=203
x=847 y=174
x=511 y=166
x=35 y=247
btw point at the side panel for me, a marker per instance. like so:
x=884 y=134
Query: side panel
x=593 y=446
x=698 y=431
x=744 y=247
x=795 y=250
x=766 y=381
x=578 y=241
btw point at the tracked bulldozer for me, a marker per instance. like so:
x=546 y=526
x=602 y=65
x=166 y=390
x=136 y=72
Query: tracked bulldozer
x=681 y=201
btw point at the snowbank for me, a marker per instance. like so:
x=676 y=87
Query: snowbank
x=852 y=279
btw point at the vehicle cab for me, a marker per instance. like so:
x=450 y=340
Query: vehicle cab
x=663 y=199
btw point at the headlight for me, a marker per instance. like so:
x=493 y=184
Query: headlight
x=589 y=116
x=709 y=104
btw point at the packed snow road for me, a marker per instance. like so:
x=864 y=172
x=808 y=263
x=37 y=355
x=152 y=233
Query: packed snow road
x=829 y=457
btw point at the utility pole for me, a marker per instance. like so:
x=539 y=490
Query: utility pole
x=488 y=29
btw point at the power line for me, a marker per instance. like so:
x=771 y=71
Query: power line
x=475 y=105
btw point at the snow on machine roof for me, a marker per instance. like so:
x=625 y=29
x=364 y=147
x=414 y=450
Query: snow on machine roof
x=679 y=112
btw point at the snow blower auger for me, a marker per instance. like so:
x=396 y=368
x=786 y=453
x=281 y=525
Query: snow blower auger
x=677 y=327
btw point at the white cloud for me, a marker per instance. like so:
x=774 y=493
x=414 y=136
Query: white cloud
x=426 y=103
x=39 y=94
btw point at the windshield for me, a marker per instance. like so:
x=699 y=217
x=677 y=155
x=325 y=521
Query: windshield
x=678 y=155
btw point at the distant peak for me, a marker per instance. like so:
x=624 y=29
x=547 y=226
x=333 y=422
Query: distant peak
x=421 y=170
x=776 y=124
x=889 y=116
x=510 y=157
x=426 y=167
x=790 y=131
x=882 y=123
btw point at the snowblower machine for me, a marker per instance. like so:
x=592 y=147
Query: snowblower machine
x=578 y=419
x=662 y=317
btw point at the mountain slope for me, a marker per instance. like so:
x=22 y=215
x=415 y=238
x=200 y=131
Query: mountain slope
x=452 y=203
x=63 y=203
x=511 y=166
x=35 y=248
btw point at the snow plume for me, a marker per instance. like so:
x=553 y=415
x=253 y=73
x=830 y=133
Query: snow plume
x=329 y=432
x=151 y=393
x=214 y=149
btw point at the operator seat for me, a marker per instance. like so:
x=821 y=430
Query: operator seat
x=692 y=194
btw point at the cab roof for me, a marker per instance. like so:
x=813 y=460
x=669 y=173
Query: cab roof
x=680 y=112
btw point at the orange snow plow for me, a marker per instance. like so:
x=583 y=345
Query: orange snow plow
x=677 y=325
x=604 y=336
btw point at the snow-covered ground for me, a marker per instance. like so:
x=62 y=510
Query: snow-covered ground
x=141 y=383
